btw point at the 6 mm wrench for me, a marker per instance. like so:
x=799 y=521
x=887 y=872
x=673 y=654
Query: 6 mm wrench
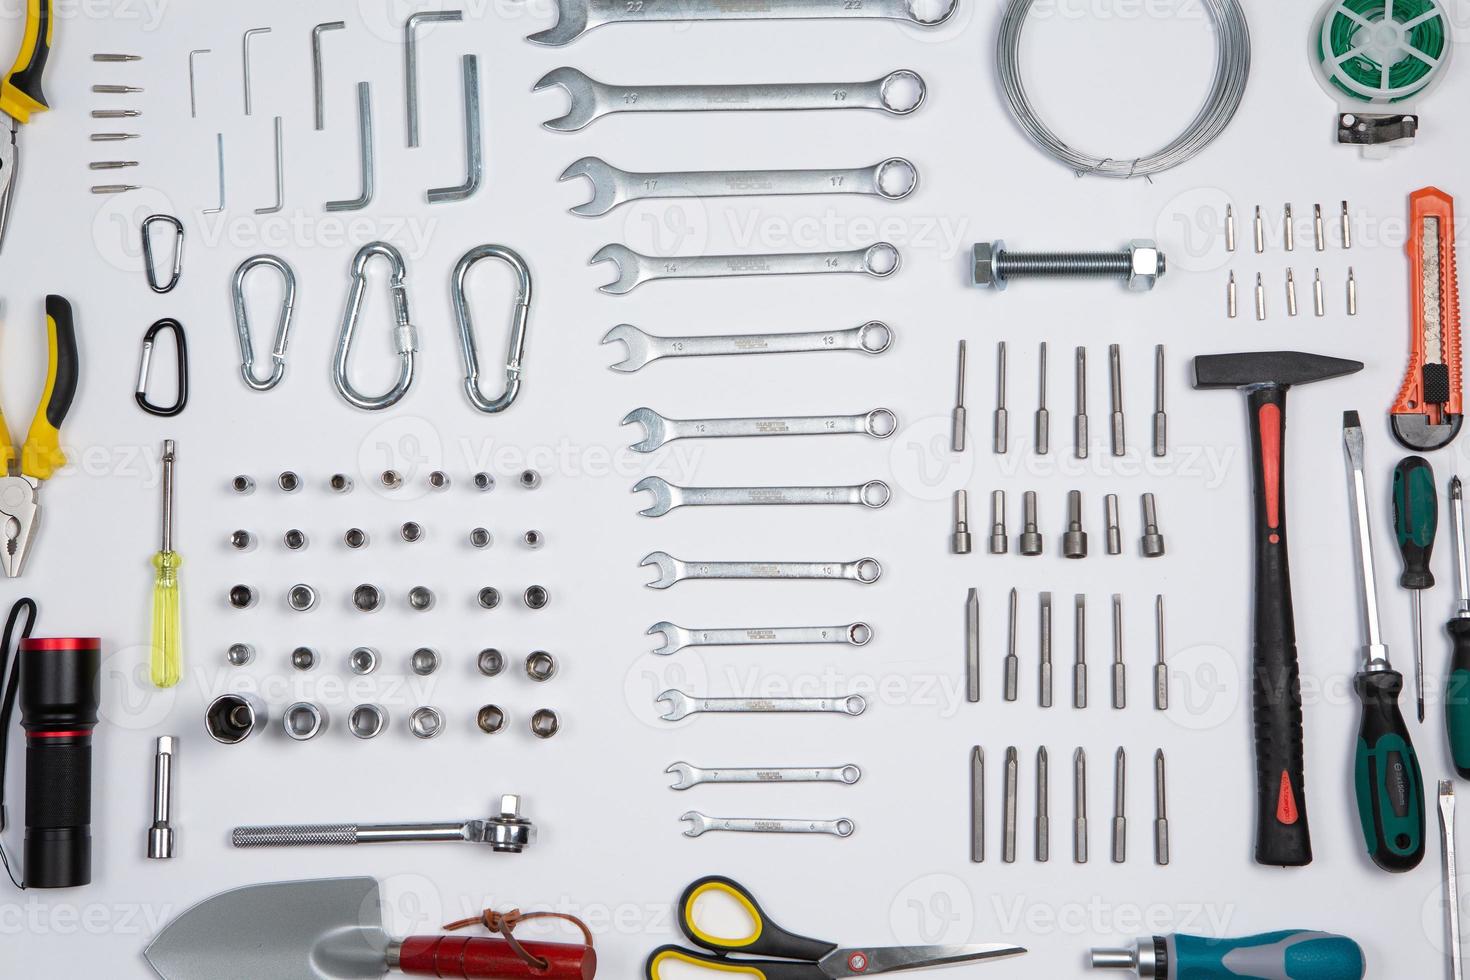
x=687 y=775
x=577 y=17
x=879 y=260
x=873 y=337
x=672 y=570
x=677 y=638
x=681 y=705
x=880 y=423
x=892 y=179
x=667 y=496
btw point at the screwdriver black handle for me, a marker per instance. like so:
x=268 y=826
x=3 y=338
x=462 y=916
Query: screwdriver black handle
x=1386 y=775
x=1282 y=835
x=1457 y=696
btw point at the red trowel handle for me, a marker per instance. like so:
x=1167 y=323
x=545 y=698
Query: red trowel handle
x=476 y=958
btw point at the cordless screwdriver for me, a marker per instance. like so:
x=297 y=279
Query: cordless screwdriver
x=1415 y=523
x=1457 y=691
x=1295 y=954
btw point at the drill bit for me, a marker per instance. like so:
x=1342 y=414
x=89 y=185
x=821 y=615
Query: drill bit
x=1044 y=680
x=1079 y=420
x=972 y=646
x=1115 y=386
x=1161 y=812
x=1120 y=807
x=1079 y=663
x=1001 y=440
x=1043 y=417
x=1120 y=671
x=1013 y=662
x=959 y=538
x=1079 y=806
x=957 y=417
x=1161 y=667
x=1043 y=807
x=1008 y=841
x=1161 y=418
x=977 y=805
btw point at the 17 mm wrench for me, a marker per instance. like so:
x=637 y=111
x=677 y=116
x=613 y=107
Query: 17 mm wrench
x=873 y=337
x=686 y=775
x=880 y=423
x=892 y=179
x=878 y=261
x=666 y=496
x=577 y=17
x=897 y=93
x=680 y=705
x=677 y=638
x=672 y=570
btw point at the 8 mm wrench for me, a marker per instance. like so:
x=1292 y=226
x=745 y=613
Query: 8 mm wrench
x=879 y=261
x=880 y=423
x=677 y=638
x=873 y=337
x=672 y=570
x=577 y=17
x=667 y=496
x=681 y=705
x=687 y=775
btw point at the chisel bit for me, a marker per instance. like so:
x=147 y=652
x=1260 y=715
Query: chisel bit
x=1079 y=419
x=972 y=646
x=977 y=805
x=1079 y=666
x=957 y=418
x=1001 y=438
x=1161 y=668
x=1115 y=387
x=1043 y=417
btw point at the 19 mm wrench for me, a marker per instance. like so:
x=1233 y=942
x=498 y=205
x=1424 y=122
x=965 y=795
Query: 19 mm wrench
x=892 y=179
x=577 y=17
x=880 y=423
x=873 y=337
x=677 y=638
x=687 y=775
x=672 y=570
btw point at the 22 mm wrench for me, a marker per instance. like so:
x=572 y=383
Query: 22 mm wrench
x=577 y=17
x=699 y=823
x=681 y=705
x=873 y=337
x=672 y=570
x=897 y=93
x=892 y=179
x=880 y=423
x=667 y=496
x=677 y=638
x=686 y=775
x=879 y=261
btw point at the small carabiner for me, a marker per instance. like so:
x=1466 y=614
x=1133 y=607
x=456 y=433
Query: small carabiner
x=181 y=353
x=283 y=326
x=150 y=268
x=515 y=346
x=405 y=336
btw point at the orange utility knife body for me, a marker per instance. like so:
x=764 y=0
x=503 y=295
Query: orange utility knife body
x=1428 y=411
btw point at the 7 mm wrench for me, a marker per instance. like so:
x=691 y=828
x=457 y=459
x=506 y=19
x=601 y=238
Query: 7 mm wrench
x=873 y=337
x=680 y=705
x=880 y=423
x=577 y=17
x=677 y=638
x=672 y=570
x=687 y=775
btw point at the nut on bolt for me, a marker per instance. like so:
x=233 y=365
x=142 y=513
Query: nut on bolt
x=1140 y=265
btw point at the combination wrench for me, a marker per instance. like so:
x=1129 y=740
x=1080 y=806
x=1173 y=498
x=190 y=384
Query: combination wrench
x=666 y=496
x=576 y=17
x=897 y=93
x=880 y=423
x=672 y=570
x=700 y=823
x=873 y=337
x=676 y=638
x=893 y=179
x=681 y=705
x=686 y=775
x=879 y=260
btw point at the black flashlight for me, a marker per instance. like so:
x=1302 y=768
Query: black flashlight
x=59 y=698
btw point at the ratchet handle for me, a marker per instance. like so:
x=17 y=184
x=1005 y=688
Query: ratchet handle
x=479 y=958
x=1390 y=789
x=1457 y=696
x=1282 y=836
x=20 y=90
x=42 y=455
x=1289 y=955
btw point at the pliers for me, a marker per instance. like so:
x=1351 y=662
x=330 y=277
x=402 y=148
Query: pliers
x=41 y=455
x=21 y=96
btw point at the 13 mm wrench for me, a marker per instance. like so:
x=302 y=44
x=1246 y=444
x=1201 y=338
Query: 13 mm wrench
x=666 y=496
x=892 y=179
x=577 y=17
x=699 y=823
x=687 y=775
x=880 y=423
x=897 y=93
x=878 y=261
x=680 y=705
x=677 y=638
x=672 y=570
x=873 y=337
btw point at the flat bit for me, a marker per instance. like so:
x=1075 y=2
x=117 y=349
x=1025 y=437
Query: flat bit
x=972 y=646
x=1079 y=419
x=1008 y=841
x=1013 y=662
x=958 y=416
x=1120 y=671
x=1001 y=438
x=1044 y=680
x=1043 y=417
x=1115 y=386
x=1161 y=667
x=1079 y=666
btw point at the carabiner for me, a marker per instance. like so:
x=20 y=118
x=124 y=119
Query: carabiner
x=283 y=326
x=181 y=352
x=150 y=268
x=515 y=346
x=405 y=336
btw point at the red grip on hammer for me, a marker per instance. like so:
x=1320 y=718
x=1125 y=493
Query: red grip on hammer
x=477 y=958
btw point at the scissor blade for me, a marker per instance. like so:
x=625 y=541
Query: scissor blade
x=9 y=158
x=887 y=959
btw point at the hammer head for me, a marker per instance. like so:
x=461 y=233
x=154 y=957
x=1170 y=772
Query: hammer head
x=1276 y=368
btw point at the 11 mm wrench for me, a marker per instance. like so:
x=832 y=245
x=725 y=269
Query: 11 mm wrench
x=687 y=775
x=880 y=423
x=699 y=823
x=897 y=93
x=666 y=496
x=677 y=638
x=577 y=17
x=680 y=705
x=878 y=261
x=672 y=570
x=873 y=337
x=892 y=179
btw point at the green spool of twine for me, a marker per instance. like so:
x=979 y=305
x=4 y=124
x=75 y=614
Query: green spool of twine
x=1428 y=37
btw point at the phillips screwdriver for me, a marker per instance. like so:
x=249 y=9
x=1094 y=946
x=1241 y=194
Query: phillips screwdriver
x=1390 y=790
x=1457 y=691
x=1415 y=523
x=1295 y=954
x=166 y=664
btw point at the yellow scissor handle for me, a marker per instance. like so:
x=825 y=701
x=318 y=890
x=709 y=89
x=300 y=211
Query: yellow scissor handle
x=41 y=456
x=20 y=90
x=763 y=937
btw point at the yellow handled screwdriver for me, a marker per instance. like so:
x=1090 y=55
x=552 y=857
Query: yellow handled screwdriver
x=167 y=664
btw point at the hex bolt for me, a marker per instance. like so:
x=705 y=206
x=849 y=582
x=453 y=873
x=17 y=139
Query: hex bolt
x=1115 y=529
x=424 y=661
x=490 y=719
x=484 y=482
x=535 y=597
x=289 y=482
x=340 y=483
x=367 y=598
x=438 y=480
x=481 y=538
x=1074 y=540
x=301 y=597
x=303 y=658
x=959 y=539
x=242 y=596
x=545 y=723
x=540 y=666
x=242 y=541
x=488 y=597
x=530 y=479
x=1140 y=265
x=240 y=654
x=1152 y=540
x=412 y=532
x=355 y=538
x=295 y=540
x=1000 y=543
x=243 y=485
x=391 y=479
x=420 y=598
x=490 y=662
x=1031 y=543
x=362 y=661
x=533 y=539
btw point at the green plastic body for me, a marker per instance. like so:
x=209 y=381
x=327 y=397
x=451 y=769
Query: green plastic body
x=1389 y=787
x=1457 y=696
x=1415 y=519
x=1293 y=954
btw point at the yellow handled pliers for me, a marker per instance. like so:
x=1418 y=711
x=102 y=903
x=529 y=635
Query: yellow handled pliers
x=41 y=455
x=21 y=96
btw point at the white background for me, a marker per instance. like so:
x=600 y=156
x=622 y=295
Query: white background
x=1117 y=77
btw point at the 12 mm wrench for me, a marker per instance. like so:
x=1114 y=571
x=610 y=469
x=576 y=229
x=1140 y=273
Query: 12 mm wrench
x=878 y=261
x=687 y=775
x=892 y=179
x=680 y=705
x=667 y=496
x=677 y=638
x=577 y=17
x=873 y=337
x=672 y=570
x=880 y=423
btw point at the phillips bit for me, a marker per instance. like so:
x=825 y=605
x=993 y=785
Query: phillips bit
x=1044 y=678
x=1152 y=541
x=1288 y=228
x=1352 y=293
x=1161 y=418
x=1043 y=807
x=1319 y=304
x=112 y=137
x=1114 y=528
x=977 y=805
x=1229 y=228
x=115 y=89
x=1079 y=807
x=1161 y=811
x=1030 y=543
x=1001 y=438
x=115 y=113
x=1161 y=667
x=113 y=188
x=1120 y=807
x=1260 y=227
x=1008 y=840
x=1290 y=293
x=1079 y=420
x=1043 y=417
x=1231 y=307
x=972 y=646
x=1451 y=880
x=1260 y=298
x=1013 y=662
x=1120 y=671
x=1074 y=539
x=1000 y=542
x=111 y=164
x=957 y=420
x=1115 y=389
x=1347 y=227
x=1079 y=663
x=108 y=57
x=1317 y=230
x=959 y=539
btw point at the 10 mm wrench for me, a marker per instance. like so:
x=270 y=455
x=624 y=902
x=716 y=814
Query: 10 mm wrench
x=687 y=775
x=878 y=261
x=880 y=423
x=873 y=337
x=667 y=496
x=677 y=638
x=680 y=705
x=577 y=17
x=672 y=570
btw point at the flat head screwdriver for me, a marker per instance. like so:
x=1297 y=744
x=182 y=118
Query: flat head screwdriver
x=1451 y=879
x=1415 y=524
x=1079 y=806
x=1043 y=417
x=1457 y=689
x=1013 y=662
x=1120 y=671
x=1390 y=790
x=166 y=660
x=1001 y=437
x=957 y=419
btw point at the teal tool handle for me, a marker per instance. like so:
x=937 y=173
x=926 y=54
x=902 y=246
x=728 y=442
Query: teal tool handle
x=1457 y=696
x=1294 y=954
x=1389 y=787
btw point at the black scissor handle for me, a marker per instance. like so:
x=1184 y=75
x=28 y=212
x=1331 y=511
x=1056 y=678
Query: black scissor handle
x=720 y=965
x=764 y=938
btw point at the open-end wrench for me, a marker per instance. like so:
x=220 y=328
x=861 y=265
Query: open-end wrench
x=893 y=179
x=699 y=823
x=677 y=638
x=879 y=260
x=686 y=775
x=681 y=705
x=671 y=569
x=899 y=93
x=576 y=17
x=880 y=423
x=667 y=496
x=873 y=337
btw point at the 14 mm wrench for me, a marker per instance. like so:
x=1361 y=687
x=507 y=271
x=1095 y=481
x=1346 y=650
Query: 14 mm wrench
x=873 y=337
x=877 y=261
x=679 y=705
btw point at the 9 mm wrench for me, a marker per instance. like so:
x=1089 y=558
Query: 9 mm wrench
x=873 y=337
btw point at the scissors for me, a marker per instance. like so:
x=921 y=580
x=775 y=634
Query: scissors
x=797 y=957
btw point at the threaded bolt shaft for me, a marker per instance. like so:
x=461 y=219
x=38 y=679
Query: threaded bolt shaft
x=1140 y=265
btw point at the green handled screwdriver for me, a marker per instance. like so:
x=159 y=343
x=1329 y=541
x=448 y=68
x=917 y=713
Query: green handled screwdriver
x=1457 y=691
x=1389 y=787
x=1294 y=954
x=1415 y=523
